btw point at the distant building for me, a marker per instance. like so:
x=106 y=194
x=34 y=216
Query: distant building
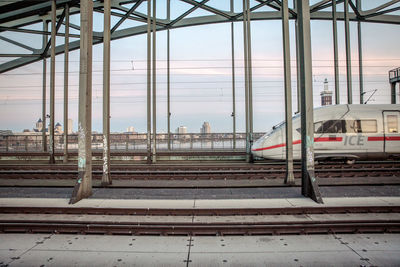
x=58 y=129
x=326 y=95
x=181 y=130
x=206 y=128
x=130 y=129
x=70 y=129
x=6 y=132
x=39 y=125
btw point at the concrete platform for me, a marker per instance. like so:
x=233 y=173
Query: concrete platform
x=200 y=203
x=90 y=250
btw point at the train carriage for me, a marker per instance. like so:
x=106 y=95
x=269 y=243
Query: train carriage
x=348 y=132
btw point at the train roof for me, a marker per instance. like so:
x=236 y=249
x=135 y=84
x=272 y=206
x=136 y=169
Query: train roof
x=363 y=107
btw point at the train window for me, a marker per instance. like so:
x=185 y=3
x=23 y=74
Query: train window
x=369 y=126
x=330 y=126
x=318 y=127
x=361 y=126
x=392 y=124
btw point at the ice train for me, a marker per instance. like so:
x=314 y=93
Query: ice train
x=349 y=132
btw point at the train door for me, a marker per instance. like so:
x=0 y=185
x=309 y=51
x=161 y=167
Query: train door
x=391 y=121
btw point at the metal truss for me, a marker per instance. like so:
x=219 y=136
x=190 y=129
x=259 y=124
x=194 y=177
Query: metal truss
x=15 y=15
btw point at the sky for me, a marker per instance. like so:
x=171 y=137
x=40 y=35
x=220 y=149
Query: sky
x=201 y=74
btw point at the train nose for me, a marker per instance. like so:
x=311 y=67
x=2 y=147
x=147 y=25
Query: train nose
x=256 y=148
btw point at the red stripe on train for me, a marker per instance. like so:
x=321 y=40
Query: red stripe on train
x=381 y=138
x=317 y=139
x=332 y=139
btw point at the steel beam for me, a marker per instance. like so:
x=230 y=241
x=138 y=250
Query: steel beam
x=66 y=59
x=335 y=53
x=309 y=186
x=186 y=22
x=289 y=179
x=83 y=187
x=106 y=177
x=154 y=157
x=44 y=138
x=149 y=81
x=360 y=56
x=52 y=81
x=348 y=52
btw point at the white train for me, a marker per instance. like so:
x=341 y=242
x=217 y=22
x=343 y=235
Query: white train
x=350 y=132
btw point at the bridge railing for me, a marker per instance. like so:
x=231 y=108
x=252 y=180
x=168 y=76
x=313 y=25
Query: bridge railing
x=129 y=142
x=394 y=75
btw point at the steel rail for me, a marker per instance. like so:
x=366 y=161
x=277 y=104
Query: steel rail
x=311 y=227
x=200 y=211
x=186 y=172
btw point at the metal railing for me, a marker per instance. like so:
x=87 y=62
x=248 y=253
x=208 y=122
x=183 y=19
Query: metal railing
x=394 y=75
x=129 y=142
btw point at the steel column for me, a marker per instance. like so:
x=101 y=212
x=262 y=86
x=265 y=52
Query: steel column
x=309 y=186
x=289 y=179
x=246 y=81
x=348 y=52
x=154 y=158
x=250 y=73
x=233 y=86
x=360 y=57
x=393 y=95
x=335 y=52
x=66 y=59
x=232 y=9
x=149 y=81
x=297 y=59
x=83 y=187
x=106 y=178
x=168 y=77
x=52 y=80
x=44 y=138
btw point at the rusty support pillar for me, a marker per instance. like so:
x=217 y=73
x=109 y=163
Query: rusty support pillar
x=44 y=138
x=52 y=80
x=66 y=59
x=106 y=178
x=289 y=179
x=83 y=187
x=309 y=186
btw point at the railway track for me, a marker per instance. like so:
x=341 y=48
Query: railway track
x=202 y=171
x=273 y=221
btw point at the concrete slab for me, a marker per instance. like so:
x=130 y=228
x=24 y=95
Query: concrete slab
x=100 y=250
x=97 y=218
x=199 y=203
x=372 y=242
x=241 y=203
x=99 y=258
x=288 y=258
x=92 y=250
